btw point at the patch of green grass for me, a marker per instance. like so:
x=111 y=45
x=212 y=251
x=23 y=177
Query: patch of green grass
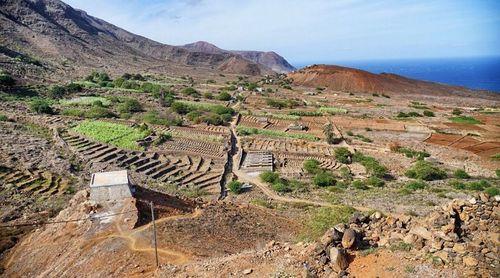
x=324 y=218
x=496 y=157
x=461 y=174
x=244 y=130
x=332 y=110
x=368 y=251
x=465 y=120
x=279 y=116
x=3 y=118
x=424 y=170
x=120 y=135
x=372 y=165
x=262 y=203
x=410 y=153
x=400 y=246
x=492 y=191
x=416 y=185
x=85 y=101
x=194 y=192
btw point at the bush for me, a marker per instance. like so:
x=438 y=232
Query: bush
x=130 y=106
x=41 y=107
x=73 y=112
x=190 y=92
x=311 y=166
x=7 y=80
x=343 y=155
x=164 y=137
x=461 y=174
x=180 y=108
x=424 y=170
x=280 y=186
x=456 y=112
x=3 y=118
x=411 y=153
x=269 y=177
x=477 y=185
x=208 y=95
x=57 y=92
x=97 y=112
x=324 y=179
x=492 y=191
x=224 y=96
x=359 y=184
x=415 y=185
x=235 y=186
x=372 y=166
x=428 y=113
x=497 y=172
x=375 y=182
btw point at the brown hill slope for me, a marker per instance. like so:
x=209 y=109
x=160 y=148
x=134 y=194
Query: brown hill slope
x=61 y=38
x=269 y=59
x=355 y=80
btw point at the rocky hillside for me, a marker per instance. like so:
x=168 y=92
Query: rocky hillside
x=40 y=36
x=355 y=80
x=268 y=59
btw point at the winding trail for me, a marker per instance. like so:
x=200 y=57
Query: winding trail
x=244 y=177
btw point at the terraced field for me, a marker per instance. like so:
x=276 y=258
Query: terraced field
x=41 y=184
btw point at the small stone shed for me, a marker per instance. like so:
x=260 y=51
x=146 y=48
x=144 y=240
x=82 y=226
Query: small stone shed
x=109 y=186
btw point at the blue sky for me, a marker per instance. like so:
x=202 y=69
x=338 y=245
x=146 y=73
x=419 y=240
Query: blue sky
x=315 y=30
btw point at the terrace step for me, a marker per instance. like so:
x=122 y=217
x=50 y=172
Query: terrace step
x=162 y=171
x=28 y=182
x=148 y=166
x=140 y=162
x=105 y=152
x=96 y=150
x=130 y=160
x=109 y=157
x=171 y=173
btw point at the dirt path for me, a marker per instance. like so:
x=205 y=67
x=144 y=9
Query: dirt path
x=244 y=177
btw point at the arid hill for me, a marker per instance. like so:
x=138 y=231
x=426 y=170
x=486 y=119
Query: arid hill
x=355 y=80
x=268 y=59
x=45 y=36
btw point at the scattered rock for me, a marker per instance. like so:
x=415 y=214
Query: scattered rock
x=469 y=261
x=349 y=238
x=247 y=271
x=338 y=258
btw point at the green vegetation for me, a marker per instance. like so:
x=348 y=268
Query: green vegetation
x=465 y=120
x=410 y=153
x=329 y=135
x=323 y=219
x=130 y=106
x=324 y=179
x=190 y=92
x=224 y=96
x=97 y=112
x=154 y=117
x=461 y=174
x=269 y=176
x=305 y=113
x=429 y=113
x=408 y=115
x=332 y=110
x=481 y=185
x=212 y=114
x=424 y=170
x=85 y=101
x=6 y=80
x=400 y=246
x=244 y=131
x=289 y=103
x=495 y=157
x=415 y=185
x=162 y=138
x=235 y=186
x=120 y=135
x=311 y=166
x=456 y=112
x=41 y=106
x=343 y=155
x=3 y=118
x=282 y=185
x=492 y=191
x=279 y=116
x=372 y=166
x=359 y=184
x=418 y=105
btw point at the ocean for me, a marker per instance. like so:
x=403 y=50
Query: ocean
x=476 y=73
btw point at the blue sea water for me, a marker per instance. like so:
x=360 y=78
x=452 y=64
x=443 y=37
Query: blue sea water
x=476 y=73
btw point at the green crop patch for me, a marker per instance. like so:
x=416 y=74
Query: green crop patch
x=85 y=101
x=243 y=131
x=465 y=120
x=119 y=135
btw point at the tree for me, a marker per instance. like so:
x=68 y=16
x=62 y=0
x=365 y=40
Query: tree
x=130 y=106
x=57 y=92
x=424 y=170
x=224 y=96
x=180 y=108
x=235 y=186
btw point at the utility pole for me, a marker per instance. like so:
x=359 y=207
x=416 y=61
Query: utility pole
x=154 y=234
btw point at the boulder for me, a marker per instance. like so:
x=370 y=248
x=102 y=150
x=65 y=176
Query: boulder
x=338 y=259
x=349 y=238
x=421 y=232
x=469 y=261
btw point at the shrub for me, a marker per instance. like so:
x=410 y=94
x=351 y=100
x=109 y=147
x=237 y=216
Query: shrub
x=130 y=106
x=311 y=166
x=411 y=153
x=208 y=95
x=492 y=191
x=461 y=174
x=180 y=107
x=372 y=166
x=73 y=112
x=269 y=176
x=456 y=112
x=189 y=91
x=235 y=186
x=280 y=186
x=458 y=185
x=162 y=138
x=428 y=113
x=97 y=112
x=6 y=80
x=375 y=182
x=425 y=171
x=224 y=96
x=477 y=185
x=323 y=179
x=415 y=185
x=343 y=155
x=41 y=107
x=57 y=92
x=497 y=172
x=345 y=173
x=359 y=184
x=3 y=118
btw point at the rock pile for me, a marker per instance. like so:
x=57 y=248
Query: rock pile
x=462 y=233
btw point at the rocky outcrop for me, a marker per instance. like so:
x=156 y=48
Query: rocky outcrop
x=465 y=234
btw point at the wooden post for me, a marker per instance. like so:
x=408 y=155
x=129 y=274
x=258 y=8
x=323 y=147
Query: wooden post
x=154 y=234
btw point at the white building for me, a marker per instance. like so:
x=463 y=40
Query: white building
x=108 y=186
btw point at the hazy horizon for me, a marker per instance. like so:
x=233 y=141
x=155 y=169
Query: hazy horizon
x=318 y=30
